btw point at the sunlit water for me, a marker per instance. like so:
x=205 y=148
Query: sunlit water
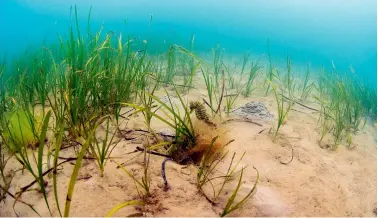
x=319 y=32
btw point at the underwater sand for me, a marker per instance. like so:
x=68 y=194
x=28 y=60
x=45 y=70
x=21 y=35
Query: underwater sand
x=318 y=182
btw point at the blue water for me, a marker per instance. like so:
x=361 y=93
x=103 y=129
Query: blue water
x=315 y=31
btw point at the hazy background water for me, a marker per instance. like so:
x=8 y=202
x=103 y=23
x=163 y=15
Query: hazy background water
x=315 y=31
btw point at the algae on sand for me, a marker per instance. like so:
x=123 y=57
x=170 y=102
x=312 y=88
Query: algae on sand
x=22 y=129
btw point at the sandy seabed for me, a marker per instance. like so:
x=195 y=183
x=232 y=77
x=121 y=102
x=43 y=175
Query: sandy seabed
x=317 y=182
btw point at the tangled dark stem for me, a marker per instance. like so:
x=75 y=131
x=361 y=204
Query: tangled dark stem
x=166 y=185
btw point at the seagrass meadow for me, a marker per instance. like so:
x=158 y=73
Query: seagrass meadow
x=106 y=123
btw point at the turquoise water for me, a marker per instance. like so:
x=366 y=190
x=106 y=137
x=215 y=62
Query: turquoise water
x=315 y=31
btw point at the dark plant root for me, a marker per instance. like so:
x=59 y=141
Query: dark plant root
x=136 y=215
x=139 y=149
x=85 y=177
x=292 y=157
x=299 y=111
x=179 y=156
x=242 y=120
x=305 y=106
x=75 y=158
x=141 y=130
x=7 y=184
x=127 y=138
x=166 y=185
x=124 y=163
x=352 y=147
x=207 y=198
x=229 y=142
x=261 y=131
x=162 y=134
x=153 y=152
x=122 y=115
x=66 y=147
x=168 y=83
x=210 y=123
x=18 y=200
x=230 y=95
x=23 y=189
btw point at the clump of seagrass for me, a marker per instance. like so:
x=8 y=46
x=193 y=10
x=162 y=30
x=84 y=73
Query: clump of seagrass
x=200 y=112
x=208 y=175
